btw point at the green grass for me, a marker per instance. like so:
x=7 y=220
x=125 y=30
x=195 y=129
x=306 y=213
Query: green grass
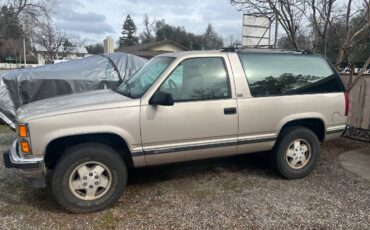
x=4 y=129
x=107 y=221
x=6 y=135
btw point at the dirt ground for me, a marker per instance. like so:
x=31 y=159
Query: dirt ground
x=238 y=192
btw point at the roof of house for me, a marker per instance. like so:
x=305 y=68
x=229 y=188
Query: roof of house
x=144 y=50
x=76 y=49
x=148 y=46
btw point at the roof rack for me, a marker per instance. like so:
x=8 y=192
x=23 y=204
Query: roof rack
x=264 y=49
x=306 y=52
x=232 y=48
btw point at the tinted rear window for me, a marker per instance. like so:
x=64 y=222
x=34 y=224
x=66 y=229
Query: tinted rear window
x=288 y=74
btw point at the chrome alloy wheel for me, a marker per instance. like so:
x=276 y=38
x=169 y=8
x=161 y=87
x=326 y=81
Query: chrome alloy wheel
x=90 y=180
x=298 y=154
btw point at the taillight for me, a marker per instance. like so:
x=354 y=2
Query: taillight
x=346 y=97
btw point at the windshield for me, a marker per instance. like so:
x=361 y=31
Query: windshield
x=141 y=81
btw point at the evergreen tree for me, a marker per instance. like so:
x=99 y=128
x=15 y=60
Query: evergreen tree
x=128 y=37
x=98 y=48
x=209 y=40
x=11 y=34
x=10 y=27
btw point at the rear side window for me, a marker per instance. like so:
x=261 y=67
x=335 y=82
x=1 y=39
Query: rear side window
x=288 y=74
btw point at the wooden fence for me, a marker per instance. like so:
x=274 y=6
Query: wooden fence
x=359 y=116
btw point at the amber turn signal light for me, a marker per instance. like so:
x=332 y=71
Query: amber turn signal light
x=25 y=146
x=22 y=129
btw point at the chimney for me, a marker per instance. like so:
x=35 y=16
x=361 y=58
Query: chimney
x=108 y=45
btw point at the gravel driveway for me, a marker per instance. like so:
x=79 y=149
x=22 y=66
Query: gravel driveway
x=238 y=192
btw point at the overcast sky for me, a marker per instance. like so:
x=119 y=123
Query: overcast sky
x=91 y=21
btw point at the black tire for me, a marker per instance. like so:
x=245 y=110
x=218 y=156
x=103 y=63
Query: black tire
x=78 y=155
x=286 y=138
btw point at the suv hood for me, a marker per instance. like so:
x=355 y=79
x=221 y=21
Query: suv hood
x=94 y=100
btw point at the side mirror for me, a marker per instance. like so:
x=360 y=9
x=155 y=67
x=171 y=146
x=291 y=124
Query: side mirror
x=161 y=98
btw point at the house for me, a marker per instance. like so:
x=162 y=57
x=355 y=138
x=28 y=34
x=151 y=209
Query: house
x=152 y=49
x=65 y=54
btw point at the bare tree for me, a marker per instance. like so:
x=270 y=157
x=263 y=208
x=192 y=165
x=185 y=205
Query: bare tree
x=211 y=40
x=347 y=37
x=321 y=17
x=26 y=14
x=29 y=12
x=289 y=14
x=30 y=8
x=146 y=36
x=231 y=40
x=348 y=21
x=52 y=43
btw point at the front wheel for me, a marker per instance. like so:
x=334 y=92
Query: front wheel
x=89 y=177
x=296 y=152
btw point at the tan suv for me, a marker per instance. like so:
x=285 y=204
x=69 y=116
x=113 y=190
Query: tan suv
x=180 y=107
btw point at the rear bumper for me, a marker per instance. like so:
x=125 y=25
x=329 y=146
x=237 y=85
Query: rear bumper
x=33 y=169
x=335 y=132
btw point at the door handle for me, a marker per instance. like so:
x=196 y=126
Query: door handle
x=229 y=111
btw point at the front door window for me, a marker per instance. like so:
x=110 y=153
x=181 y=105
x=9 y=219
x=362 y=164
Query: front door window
x=198 y=79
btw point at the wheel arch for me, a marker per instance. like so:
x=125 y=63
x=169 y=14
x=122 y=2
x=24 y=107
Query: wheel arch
x=56 y=147
x=315 y=124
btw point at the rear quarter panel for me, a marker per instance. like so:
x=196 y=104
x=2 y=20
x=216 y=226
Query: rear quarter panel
x=270 y=114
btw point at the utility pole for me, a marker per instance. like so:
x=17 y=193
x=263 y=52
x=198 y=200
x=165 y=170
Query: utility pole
x=276 y=32
x=276 y=25
x=24 y=52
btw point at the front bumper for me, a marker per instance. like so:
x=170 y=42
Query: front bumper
x=33 y=169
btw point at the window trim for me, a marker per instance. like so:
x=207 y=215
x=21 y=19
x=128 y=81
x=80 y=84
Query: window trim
x=335 y=72
x=146 y=90
x=230 y=96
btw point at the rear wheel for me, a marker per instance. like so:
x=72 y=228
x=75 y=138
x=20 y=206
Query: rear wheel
x=296 y=152
x=88 y=178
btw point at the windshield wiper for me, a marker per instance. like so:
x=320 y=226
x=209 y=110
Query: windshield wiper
x=126 y=92
x=128 y=88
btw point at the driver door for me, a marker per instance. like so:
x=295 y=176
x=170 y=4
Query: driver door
x=203 y=121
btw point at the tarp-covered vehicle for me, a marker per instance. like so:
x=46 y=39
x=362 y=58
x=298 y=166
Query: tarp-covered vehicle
x=23 y=86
